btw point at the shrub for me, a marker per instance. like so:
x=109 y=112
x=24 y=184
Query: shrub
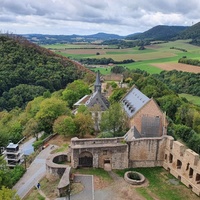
x=105 y=135
x=37 y=144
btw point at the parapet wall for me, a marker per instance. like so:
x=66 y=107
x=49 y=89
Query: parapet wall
x=183 y=163
x=93 y=141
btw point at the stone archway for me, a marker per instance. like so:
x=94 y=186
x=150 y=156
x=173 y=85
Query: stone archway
x=86 y=159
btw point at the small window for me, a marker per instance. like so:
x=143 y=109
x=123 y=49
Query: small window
x=170 y=158
x=191 y=172
x=188 y=165
x=198 y=178
x=179 y=164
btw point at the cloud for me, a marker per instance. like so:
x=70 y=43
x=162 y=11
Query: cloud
x=88 y=16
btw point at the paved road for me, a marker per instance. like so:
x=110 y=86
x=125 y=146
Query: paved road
x=27 y=147
x=87 y=193
x=34 y=173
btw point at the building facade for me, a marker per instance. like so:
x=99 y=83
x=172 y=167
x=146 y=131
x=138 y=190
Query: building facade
x=13 y=155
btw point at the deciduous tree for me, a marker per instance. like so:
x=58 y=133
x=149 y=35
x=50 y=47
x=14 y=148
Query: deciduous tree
x=84 y=124
x=114 y=119
x=50 y=109
x=64 y=125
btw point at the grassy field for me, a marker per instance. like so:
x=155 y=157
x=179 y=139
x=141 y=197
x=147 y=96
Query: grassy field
x=145 y=59
x=193 y=99
x=162 y=185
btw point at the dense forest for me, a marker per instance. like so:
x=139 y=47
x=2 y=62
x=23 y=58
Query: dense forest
x=181 y=82
x=27 y=71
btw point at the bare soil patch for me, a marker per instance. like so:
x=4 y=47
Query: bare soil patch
x=100 y=183
x=177 y=66
x=59 y=140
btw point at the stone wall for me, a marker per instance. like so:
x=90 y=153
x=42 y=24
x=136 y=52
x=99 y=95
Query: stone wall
x=59 y=171
x=108 y=150
x=183 y=163
x=147 y=152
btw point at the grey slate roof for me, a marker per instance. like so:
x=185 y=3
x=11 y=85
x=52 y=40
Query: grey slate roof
x=97 y=84
x=98 y=98
x=133 y=101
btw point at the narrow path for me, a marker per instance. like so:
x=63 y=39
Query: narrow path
x=114 y=176
x=42 y=194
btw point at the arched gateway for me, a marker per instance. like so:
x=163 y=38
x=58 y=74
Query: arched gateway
x=86 y=159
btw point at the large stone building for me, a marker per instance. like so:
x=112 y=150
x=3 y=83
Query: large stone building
x=145 y=117
x=144 y=145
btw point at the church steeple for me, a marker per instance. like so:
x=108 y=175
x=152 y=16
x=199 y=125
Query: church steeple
x=97 y=85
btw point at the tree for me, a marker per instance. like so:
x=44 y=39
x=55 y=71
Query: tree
x=84 y=123
x=170 y=104
x=83 y=109
x=117 y=94
x=196 y=122
x=114 y=119
x=8 y=194
x=194 y=143
x=64 y=125
x=31 y=128
x=50 y=109
x=183 y=132
x=34 y=106
x=75 y=91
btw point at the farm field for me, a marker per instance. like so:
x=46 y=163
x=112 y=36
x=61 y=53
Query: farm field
x=153 y=59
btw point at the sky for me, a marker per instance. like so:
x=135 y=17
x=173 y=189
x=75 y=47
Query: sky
x=85 y=17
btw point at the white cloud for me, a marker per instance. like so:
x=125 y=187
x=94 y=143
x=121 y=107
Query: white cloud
x=87 y=16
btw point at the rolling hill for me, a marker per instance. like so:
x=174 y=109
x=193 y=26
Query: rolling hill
x=53 y=39
x=160 y=32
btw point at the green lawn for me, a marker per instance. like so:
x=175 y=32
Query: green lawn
x=162 y=185
x=193 y=99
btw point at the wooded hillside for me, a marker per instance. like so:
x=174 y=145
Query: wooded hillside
x=27 y=71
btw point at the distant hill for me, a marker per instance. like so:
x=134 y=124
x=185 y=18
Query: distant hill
x=193 y=32
x=53 y=39
x=160 y=32
x=28 y=70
